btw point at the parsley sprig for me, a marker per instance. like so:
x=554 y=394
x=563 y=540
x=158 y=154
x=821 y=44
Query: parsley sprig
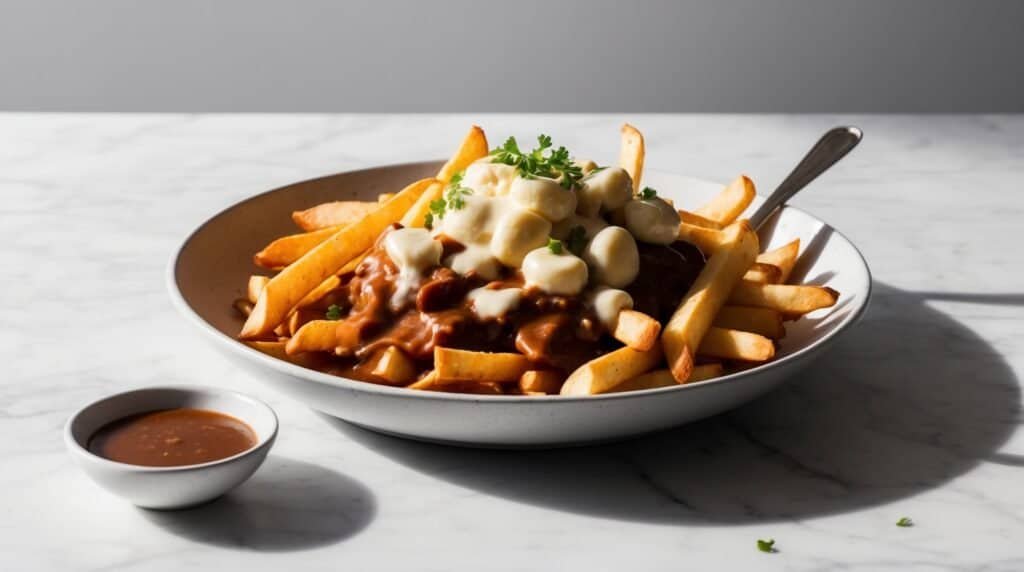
x=333 y=312
x=766 y=545
x=648 y=194
x=905 y=522
x=555 y=245
x=454 y=198
x=555 y=164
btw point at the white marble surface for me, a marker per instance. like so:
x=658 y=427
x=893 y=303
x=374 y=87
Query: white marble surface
x=916 y=413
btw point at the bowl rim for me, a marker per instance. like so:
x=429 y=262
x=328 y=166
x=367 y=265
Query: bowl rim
x=83 y=452
x=293 y=370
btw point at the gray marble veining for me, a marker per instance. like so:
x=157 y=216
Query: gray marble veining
x=915 y=413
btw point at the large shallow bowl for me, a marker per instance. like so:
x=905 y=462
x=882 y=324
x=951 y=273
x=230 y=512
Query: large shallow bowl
x=210 y=270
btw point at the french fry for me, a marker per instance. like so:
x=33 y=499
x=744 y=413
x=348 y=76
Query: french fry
x=729 y=204
x=277 y=350
x=764 y=321
x=392 y=365
x=734 y=344
x=288 y=249
x=697 y=220
x=463 y=365
x=426 y=382
x=601 y=374
x=476 y=387
x=334 y=213
x=543 y=381
x=319 y=292
x=791 y=300
x=724 y=269
x=649 y=380
x=243 y=306
x=631 y=154
x=316 y=336
x=705 y=371
x=293 y=283
x=708 y=240
x=784 y=258
x=384 y=197
x=637 y=330
x=473 y=147
x=764 y=273
x=300 y=318
x=256 y=284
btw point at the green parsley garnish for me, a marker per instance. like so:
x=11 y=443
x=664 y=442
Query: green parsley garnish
x=577 y=240
x=454 y=199
x=905 y=522
x=648 y=194
x=555 y=246
x=766 y=545
x=333 y=312
x=556 y=164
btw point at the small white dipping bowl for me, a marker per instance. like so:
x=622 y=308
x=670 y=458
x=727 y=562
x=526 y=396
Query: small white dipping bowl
x=171 y=487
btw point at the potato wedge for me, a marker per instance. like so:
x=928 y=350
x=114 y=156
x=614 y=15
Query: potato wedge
x=543 y=381
x=631 y=154
x=708 y=240
x=724 y=269
x=288 y=249
x=763 y=273
x=601 y=374
x=763 y=321
x=734 y=344
x=463 y=365
x=392 y=365
x=637 y=330
x=784 y=258
x=729 y=204
x=697 y=220
x=334 y=213
x=256 y=284
x=791 y=300
x=300 y=278
x=472 y=148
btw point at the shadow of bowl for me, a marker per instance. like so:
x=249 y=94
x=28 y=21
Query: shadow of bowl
x=906 y=401
x=287 y=505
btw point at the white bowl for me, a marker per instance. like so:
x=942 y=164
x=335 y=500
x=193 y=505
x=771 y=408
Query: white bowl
x=210 y=270
x=170 y=487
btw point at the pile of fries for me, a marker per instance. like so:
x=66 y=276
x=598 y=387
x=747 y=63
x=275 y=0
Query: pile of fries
x=730 y=318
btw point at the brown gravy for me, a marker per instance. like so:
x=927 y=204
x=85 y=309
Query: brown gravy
x=172 y=438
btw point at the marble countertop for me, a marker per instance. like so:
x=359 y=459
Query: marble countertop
x=915 y=413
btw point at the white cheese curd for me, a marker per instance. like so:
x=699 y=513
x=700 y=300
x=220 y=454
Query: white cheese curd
x=605 y=190
x=413 y=251
x=591 y=226
x=518 y=232
x=474 y=222
x=543 y=196
x=562 y=274
x=612 y=257
x=652 y=220
x=489 y=179
x=491 y=304
x=475 y=258
x=607 y=303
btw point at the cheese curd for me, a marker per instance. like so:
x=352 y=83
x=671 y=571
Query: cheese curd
x=491 y=304
x=562 y=274
x=413 y=251
x=475 y=258
x=543 y=196
x=652 y=220
x=607 y=303
x=591 y=226
x=612 y=257
x=517 y=233
x=473 y=223
x=605 y=190
x=489 y=179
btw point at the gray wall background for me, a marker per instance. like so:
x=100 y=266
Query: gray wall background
x=513 y=55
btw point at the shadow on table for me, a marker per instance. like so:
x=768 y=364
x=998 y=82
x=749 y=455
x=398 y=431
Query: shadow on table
x=904 y=402
x=287 y=505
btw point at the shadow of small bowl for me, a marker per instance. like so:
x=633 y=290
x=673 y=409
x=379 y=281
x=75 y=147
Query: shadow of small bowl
x=166 y=488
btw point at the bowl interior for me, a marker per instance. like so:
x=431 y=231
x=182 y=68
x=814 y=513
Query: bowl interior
x=212 y=267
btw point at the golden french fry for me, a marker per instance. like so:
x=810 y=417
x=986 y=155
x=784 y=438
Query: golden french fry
x=705 y=371
x=764 y=273
x=300 y=318
x=277 y=350
x=335 y=213
x=472 y=148
x=785 y=298
x=601 y=374
x=697 y=220
x=477 y=387
x=243 y=306
x=764 y=321
x=637 y=330
x=288 y=249
x=316 y=336
x=631 y=154
x=463 y=365
x=649 y=380
x=256 y=284
x=728 y=205
x=724 y=269
x=708 y=240
x=300 y=278
x=384 y=197
x=784 y=258
x=542 y=381
x=319 y=292
x=426 y=382
x=392 y=365
x=734 y=344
